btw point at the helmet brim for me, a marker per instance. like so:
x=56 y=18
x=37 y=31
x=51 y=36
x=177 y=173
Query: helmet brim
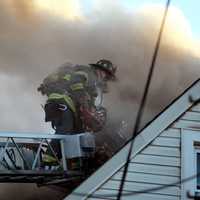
x=104 y=69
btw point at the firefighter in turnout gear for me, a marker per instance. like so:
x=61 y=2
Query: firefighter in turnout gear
x=77 y=91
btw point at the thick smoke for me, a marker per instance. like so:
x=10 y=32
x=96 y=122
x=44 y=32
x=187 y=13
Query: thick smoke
x=34 y=43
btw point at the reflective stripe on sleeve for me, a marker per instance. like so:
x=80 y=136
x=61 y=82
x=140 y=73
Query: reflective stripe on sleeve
x=67 y=77
x=67 y=99
x=77 y=86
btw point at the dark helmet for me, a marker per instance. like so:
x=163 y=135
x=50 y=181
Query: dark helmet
x=106 y=66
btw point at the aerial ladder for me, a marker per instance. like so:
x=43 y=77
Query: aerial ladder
x=21 y=157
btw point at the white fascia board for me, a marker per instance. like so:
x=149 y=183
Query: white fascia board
x=149 y=133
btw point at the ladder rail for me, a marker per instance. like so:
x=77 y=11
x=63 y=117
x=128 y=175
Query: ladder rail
x=38 y=139
x=30 y=151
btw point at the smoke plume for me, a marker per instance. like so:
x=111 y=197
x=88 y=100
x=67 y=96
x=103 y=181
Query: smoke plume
x=35 y=39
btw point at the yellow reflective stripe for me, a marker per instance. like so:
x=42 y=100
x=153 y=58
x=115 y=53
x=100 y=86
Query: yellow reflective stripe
x=77 y=86
x=55 y=96
x=67 y=77
x=48 y=158
x=70 y=103
x=67 y=98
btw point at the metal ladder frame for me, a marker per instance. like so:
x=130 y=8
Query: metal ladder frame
x=31 y=172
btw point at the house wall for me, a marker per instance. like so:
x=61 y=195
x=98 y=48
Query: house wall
x=157 y=165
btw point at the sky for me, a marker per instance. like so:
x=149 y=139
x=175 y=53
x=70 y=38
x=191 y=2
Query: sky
x=189 y=8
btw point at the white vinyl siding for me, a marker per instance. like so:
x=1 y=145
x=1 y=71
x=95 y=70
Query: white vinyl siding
x=155 y=166
x=111 y=194
x=190 y=120
x=156 y=158
x=196 y=108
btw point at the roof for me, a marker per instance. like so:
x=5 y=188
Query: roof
x=162 y=121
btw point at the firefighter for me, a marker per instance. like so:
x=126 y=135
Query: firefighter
x=72 y=93
x=91 y=112
x=77 y=89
